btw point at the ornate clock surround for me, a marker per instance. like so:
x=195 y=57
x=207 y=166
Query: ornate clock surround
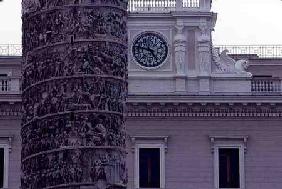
x=160 y=36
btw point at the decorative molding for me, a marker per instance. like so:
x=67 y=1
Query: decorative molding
x=163 y=139
x=234 y=139
x=203 y=110
x=183 y=109
x=7 y=141
x=10 y=109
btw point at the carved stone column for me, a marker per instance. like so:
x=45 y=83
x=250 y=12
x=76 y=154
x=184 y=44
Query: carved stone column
x=74 y=89
x=180 y=49
x=204 y=49
x=180 y=56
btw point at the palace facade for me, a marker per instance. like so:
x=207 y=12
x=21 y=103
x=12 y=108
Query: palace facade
x=198 y=116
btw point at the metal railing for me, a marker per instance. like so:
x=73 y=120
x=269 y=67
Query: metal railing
x=11 y=50
x=266 y=85
x=249 y=51
x=164 y=5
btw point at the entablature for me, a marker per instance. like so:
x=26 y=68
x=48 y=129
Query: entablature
x=205 y=99
x=203 y=107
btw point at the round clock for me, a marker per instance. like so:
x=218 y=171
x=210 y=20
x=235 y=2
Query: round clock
x=150 y=50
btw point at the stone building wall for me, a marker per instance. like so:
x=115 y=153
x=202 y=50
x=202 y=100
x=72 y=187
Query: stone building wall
x=10 y=126
x=189 y=161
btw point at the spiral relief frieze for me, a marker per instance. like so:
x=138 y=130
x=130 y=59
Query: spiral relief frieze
x=74 y=90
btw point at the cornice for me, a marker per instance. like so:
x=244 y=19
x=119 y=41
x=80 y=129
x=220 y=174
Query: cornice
x=204 y=99
x=170 y=14
x=205 y=106
x=10 y=61
x=10 y=97
x=184 y=106
x=10 y=109
x=201 y=111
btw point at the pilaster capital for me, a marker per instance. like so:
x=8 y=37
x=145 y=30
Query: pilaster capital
x=180 y=37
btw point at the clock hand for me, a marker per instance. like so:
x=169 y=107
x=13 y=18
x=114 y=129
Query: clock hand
x=153 y=53
x=150 y=50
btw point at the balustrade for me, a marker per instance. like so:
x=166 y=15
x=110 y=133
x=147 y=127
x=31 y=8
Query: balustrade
x=249 y=51
x=11 y=50
x=167 y=5
x=4 y=85
x=266 y=85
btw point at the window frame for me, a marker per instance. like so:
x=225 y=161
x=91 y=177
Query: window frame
x=149 y=142
x=229 y=143
x=6 y=148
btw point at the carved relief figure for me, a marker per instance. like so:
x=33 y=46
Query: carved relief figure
x=180 y=48
x=204 y=49
x=73 y=90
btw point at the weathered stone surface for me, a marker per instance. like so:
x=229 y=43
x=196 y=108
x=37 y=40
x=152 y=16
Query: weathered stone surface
x=74 y=89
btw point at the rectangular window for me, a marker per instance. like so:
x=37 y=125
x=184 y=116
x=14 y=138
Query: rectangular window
x=2 y=168
x=149 y=167
x=149 y=164
x=229 y=167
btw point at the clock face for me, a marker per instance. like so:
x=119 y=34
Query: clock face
x=150 y=50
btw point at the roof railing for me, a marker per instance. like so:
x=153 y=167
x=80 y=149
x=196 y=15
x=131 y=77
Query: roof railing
x=245 y=51
x=252 y=51
x=11 y=50
x=161 y=6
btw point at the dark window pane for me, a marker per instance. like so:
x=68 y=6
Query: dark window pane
x=149 y=167
x=229 y=174
x=1 y=167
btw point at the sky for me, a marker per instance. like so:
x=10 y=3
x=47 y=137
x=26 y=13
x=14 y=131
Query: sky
x=239 y=22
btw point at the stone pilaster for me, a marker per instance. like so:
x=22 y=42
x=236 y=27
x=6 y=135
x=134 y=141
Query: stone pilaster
x=204 y=46
x=74 y=89
x=180 y=57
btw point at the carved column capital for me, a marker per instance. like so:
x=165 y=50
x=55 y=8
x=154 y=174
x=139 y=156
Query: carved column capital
x=205 y=34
